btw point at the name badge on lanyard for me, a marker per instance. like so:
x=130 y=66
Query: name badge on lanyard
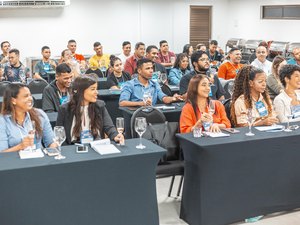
x=47 y=67
x=121 y=84
x=260 y=106
x=86 y=137
x=63 y=99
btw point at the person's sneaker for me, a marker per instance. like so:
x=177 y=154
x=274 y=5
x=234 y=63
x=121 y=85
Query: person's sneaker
x=253 y=219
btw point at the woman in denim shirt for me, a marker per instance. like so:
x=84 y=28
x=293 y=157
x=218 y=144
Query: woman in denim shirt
x=17 y=131
x=179 y=70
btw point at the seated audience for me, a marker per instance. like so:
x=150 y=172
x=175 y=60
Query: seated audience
x=152 y=54
x=133 y=90
x=296 y=57
x=200 y=62
x=126 y=48
x=15 y=71
x=46 y=65
x=66 y=57
x=253 y=55
x=139 y=52
x=99 y=60
x=179 y=70
x=5 y=47
x=261 y=61
x=57 y=92
x=214 y=55
x=195 y=112
x=188 y=49
x=201 y=47
x=288 y=101
x=165 y=57
x=84 y=117
x=118 y=77
x=273 y=80
x=228 y=70
x=17 y=131
x=250 y=94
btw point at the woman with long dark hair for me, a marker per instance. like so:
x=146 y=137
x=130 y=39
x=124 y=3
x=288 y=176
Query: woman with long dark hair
x=250 y=92
x=118 y=77
x=181 y=68
x=85 y=118
x=18 y=116
x=196 y=112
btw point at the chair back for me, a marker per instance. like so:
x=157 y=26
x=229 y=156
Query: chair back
x=151 y=114
x=227 y=105
x=97 y=71
x=226 y=88
x=37 y=86
x=3 y=86
x=166 y=89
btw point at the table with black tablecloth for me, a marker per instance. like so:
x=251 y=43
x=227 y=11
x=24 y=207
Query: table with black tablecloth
x=85 y=188
x=172 y=115
x=232 y=178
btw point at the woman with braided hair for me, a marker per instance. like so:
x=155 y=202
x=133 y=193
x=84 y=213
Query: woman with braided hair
x=250 y=93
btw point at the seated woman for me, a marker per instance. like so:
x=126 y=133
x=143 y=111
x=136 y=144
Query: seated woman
x=250 y=93
x=66 y=57
x=179 y=70
x=196 y=111
x=18 y=116
x=117 y=78
x=84 y=117
x=273 y=81
x=288 y=101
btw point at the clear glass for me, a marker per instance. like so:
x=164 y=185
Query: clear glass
x=59 y=138
x=140 y=127
x=31 y=134
x=163 y=78
x=147 y=96
x=230 y=88
x=120 y=127
x=211 y=107
x=288 y=128
x=250 y=120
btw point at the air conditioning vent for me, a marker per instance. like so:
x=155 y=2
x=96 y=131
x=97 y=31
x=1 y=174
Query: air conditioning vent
x=33 y=4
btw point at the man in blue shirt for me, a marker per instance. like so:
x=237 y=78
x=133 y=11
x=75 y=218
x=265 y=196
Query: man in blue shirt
x=46 y=66
x=296 y=59
x=142 y=91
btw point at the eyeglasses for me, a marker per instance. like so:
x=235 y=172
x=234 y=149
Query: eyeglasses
x=260 y=52
x=204 y=59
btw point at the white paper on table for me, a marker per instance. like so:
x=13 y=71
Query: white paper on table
x=28 y=154
x=165 y=107
x=219 y=134
x=104 y=147
x=269 y=128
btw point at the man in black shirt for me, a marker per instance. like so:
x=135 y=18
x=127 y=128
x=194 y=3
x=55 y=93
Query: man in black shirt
x=213 y=55
x=152 y=54
x=200 y=62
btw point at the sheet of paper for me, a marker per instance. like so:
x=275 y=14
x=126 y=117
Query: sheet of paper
x=220 y=134
x=106 y=149
x=269 y=128
x=28 y=154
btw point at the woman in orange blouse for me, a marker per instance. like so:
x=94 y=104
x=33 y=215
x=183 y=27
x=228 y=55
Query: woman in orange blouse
x=195 y=112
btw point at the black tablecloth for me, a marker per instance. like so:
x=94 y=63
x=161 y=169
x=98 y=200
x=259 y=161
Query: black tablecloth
x=85 y=188
x=232 y=178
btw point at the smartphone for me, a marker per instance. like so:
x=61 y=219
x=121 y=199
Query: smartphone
x=50 y=151
x=82 y=149
x=231 y=130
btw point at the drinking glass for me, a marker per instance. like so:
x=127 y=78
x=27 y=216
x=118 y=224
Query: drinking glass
x=163 y=78
x=250 y=120
x=288 y=128
x=31 y=134
x=211 y=107
x=230 y=88
x=147 y=96
x=140 y=127
x=120 y=127
x=59 y=138
x=172 y=59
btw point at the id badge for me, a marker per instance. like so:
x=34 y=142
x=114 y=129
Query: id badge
x=121 y=84
x=86 y=137
x=63 y=99
x=260 y=106
x=155 y=76
x=47 y=67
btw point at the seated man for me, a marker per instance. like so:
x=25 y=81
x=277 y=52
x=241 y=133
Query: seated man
x=214 y=56
x=261 y=61
x=133 y=91
x=296 y=59
x=15 y=71
x=126 y=48
x=100 y=60
x=45 y=66
x=5 y=47
x=152 y=54
x=57 y=92
x=139 y=52
x=166 y=57
x=200 y=62
x=229 y=70
x=72 y=46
